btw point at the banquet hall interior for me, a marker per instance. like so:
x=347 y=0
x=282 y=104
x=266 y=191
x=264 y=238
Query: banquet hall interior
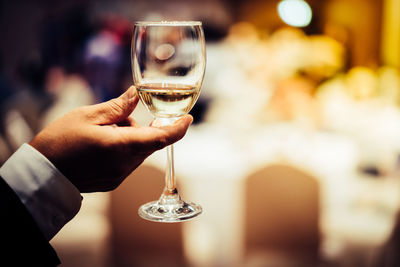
x=294 y=152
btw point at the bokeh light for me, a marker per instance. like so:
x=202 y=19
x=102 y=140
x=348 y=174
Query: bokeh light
x=295 y=13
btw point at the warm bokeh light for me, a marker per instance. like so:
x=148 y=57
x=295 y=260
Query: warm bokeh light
x=295 y=13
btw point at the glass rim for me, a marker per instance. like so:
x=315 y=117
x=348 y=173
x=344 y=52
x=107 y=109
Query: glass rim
x=168 y=23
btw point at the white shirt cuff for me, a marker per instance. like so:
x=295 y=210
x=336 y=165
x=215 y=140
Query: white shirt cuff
x=49 y=196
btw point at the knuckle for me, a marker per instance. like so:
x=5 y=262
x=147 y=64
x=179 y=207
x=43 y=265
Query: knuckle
x=83 y=112
x=116 y=106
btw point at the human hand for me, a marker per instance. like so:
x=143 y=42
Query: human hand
x=96 y=147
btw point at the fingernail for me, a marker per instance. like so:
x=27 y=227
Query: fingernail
x=156 y=123
x=131 y=92
x=191 y=119
x=186 y=118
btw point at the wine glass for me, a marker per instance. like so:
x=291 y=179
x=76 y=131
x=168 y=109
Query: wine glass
x=168 y=64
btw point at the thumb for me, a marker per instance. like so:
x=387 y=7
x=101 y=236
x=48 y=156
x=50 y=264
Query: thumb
x=116 y=109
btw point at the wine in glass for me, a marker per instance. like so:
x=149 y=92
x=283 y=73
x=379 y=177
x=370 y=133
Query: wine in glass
x=168 y=63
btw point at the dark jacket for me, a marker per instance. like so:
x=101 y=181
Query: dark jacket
x=23 y=244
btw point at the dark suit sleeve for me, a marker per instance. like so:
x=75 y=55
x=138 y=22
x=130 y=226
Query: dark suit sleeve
x=22 y=242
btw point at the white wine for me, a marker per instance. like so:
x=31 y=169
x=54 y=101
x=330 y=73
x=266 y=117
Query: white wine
x=168 y=100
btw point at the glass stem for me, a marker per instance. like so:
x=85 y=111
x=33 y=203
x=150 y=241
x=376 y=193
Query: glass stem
x=170 y=194
x=170 y=182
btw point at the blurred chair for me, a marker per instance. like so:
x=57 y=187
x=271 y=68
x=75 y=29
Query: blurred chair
x=388 y=255
x=281 y=218
x=84 y=241
x=137 y=242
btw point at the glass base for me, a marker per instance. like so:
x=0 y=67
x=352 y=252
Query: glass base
x=169 y=211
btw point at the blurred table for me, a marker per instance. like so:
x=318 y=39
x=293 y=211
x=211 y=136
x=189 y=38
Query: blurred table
x=212 y=163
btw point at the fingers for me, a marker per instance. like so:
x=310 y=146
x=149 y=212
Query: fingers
x=114 y=110
x=177 y=130
x=157 y=137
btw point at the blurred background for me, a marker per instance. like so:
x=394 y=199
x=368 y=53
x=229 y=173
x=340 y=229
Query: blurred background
x=295 y=150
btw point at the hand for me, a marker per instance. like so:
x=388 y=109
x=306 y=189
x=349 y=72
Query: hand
x=96 y=147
